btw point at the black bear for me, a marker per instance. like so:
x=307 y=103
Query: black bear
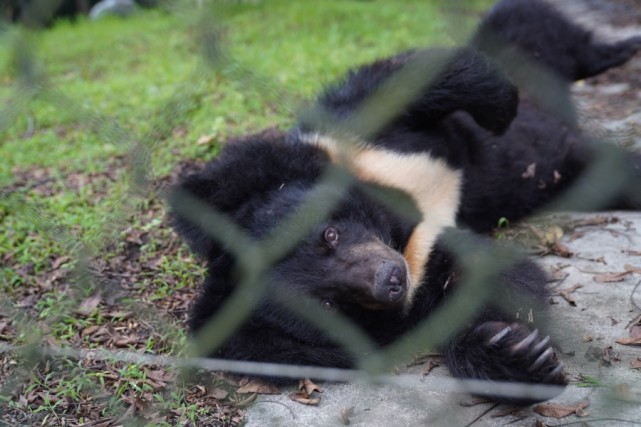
x=455 y=146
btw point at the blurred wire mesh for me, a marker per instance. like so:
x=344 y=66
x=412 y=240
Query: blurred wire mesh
x=253 y=258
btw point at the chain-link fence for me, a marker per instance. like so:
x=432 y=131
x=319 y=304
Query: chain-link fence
x=81 y=333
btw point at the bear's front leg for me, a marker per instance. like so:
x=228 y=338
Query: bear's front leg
x=505 y=351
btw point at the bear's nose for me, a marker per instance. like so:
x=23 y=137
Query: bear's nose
x=390 y=282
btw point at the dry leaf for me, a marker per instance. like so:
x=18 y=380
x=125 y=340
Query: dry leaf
x=89 y=330
x=636 y=363
x=156 y=385
x=431 y=364
x=304 y=395
x=556 y=410
x=125 y=341
x=229 y=379
x=304 y=398
x=629 y=341
x=160 y=375
x=59 y=261
x=218 y=393
x=204 y=140
x=308 y=386
x=598 y=220
x=22 y=401
x=632 y=269
x=576 y=235
x=611 y=277
x=561 y=250
x=552 y=234
x=248 y=385
x=636 y=321
x=89 y=305
x=508 y=412
x=635 y=334
x=565 y=293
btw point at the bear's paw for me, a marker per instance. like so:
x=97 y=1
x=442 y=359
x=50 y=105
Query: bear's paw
x=521 y=354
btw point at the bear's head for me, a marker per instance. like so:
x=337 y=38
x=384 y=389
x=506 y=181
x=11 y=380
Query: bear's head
x=347 y=258
x=353 y=257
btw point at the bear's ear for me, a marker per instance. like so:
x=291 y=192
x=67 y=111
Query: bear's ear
x=190 y=203
x=236 y=182
x=417 y=89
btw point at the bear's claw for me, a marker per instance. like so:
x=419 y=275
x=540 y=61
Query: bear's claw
x=525 y=342
x=553 y=376
x=539 y=347
x=498 y=337
x=541 y=359
x=522 y=355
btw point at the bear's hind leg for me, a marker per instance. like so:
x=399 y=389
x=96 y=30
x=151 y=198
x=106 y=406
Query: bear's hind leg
x=600 y=57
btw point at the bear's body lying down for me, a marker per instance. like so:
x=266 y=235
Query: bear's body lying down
x=459 y=150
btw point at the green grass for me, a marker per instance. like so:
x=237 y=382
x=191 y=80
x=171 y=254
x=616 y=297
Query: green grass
x=99 y=89
x=590 y=382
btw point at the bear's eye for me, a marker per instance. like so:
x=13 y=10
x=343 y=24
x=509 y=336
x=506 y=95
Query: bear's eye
x=331 y=236
x=327 y=305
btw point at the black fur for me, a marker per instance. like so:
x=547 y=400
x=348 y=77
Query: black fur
x=468 y=115
x=462 y=80
x=534 y=29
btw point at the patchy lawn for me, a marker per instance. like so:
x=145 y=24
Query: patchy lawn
x=96 y=120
